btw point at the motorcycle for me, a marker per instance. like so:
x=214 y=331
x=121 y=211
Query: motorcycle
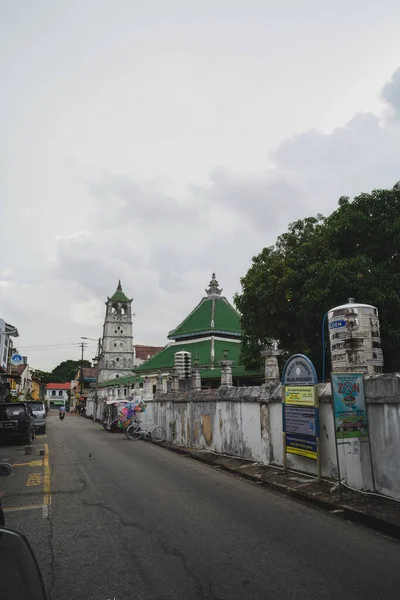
x=23 y=581
x=61 y=416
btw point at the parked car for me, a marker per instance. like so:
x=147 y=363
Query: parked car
x=16 y=422
x=39 y=412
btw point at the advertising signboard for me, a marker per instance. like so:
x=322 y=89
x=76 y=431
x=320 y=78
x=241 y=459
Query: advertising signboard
x=349 y=405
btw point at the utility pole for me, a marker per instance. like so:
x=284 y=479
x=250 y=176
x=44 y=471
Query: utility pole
x=82 y=347
x=97 y=359
x=96 y=397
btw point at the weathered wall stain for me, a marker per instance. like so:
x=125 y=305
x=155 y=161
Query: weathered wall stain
x=207 y=430
x=183 y=429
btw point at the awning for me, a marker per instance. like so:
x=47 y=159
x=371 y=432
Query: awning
x=58 y=402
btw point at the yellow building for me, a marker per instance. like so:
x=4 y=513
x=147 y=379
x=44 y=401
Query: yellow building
x=36 y=385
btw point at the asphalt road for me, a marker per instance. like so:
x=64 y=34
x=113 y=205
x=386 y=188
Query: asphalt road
x=135 y=521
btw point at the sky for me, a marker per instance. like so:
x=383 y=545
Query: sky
x=156 y=142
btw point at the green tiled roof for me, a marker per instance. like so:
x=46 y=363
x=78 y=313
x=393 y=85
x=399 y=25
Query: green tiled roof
x=200 y=350
x=213 y=316
x=128 y=380
x=119 y=295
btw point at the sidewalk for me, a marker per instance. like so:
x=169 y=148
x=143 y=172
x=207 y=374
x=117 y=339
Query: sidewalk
x=375 y=512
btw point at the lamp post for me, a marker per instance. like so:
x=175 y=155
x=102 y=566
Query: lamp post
x=97 y=358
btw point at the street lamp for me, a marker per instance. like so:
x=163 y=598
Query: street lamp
x=97 y=373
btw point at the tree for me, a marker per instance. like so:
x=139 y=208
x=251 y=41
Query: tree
x=318 y=264
x=67 y=370
x=44 y=376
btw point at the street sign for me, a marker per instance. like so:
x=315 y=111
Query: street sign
x=300 y=411
x=299 y=370
x=16 y=360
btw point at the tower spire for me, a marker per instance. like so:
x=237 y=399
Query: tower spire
x=119 y=288
x=214 y=289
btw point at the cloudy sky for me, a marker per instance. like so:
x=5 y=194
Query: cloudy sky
x=159 y=141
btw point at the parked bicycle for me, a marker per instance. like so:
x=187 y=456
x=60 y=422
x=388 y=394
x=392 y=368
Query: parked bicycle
x=139 y=430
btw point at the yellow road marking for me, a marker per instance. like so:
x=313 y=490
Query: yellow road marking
x=18 y=508
x=34 y=479
x=46 y=486
x=33 y=463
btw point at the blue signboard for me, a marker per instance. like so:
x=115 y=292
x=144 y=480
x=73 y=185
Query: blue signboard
x=302 y=445
x=16 y=360
x=299 y=370
x=337 y=324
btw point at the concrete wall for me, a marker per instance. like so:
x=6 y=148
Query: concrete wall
x=247 y=422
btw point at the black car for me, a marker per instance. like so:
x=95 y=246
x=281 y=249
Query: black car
x=16 y=422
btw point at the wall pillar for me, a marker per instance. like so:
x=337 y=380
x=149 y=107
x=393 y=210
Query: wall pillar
x=271 y=365
x=159 y=384
x=226 y=373
x=195 y=381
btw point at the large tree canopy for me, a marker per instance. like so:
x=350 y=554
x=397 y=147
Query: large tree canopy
x=67 y=370
x=62 y=373
x=318 y=264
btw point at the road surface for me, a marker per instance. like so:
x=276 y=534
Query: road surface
x=131 y=520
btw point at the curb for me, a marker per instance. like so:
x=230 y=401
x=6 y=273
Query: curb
x=338 y=510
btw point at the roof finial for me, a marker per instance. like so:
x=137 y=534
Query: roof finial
x=213 y=290
x=119 y=288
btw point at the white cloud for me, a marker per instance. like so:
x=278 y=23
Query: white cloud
x=110 y=170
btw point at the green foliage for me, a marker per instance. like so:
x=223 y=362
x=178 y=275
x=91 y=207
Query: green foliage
x=67 y=370
x=318 y=264
x=45 y=377
x=64 y=372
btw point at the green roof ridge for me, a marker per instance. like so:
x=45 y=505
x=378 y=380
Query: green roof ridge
x=213 y=314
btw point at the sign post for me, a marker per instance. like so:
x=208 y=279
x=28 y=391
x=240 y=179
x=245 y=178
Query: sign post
x=350 y=412
x=300 y=410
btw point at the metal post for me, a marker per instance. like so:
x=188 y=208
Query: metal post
x=317 y=439
x=284 y=430
x=369 y=446
x=97 y=381
x=337 y=449
x=323 y=348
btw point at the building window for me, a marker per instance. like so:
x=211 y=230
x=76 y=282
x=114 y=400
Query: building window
x=124 y=391
x=53 y=392
x=60 y=393
x=154 y=389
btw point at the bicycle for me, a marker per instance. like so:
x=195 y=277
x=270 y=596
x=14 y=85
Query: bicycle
x=138 y=430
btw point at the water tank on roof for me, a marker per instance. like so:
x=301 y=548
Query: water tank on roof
x=355 y=338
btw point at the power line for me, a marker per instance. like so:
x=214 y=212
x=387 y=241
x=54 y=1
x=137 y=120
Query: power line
x=53 y=346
